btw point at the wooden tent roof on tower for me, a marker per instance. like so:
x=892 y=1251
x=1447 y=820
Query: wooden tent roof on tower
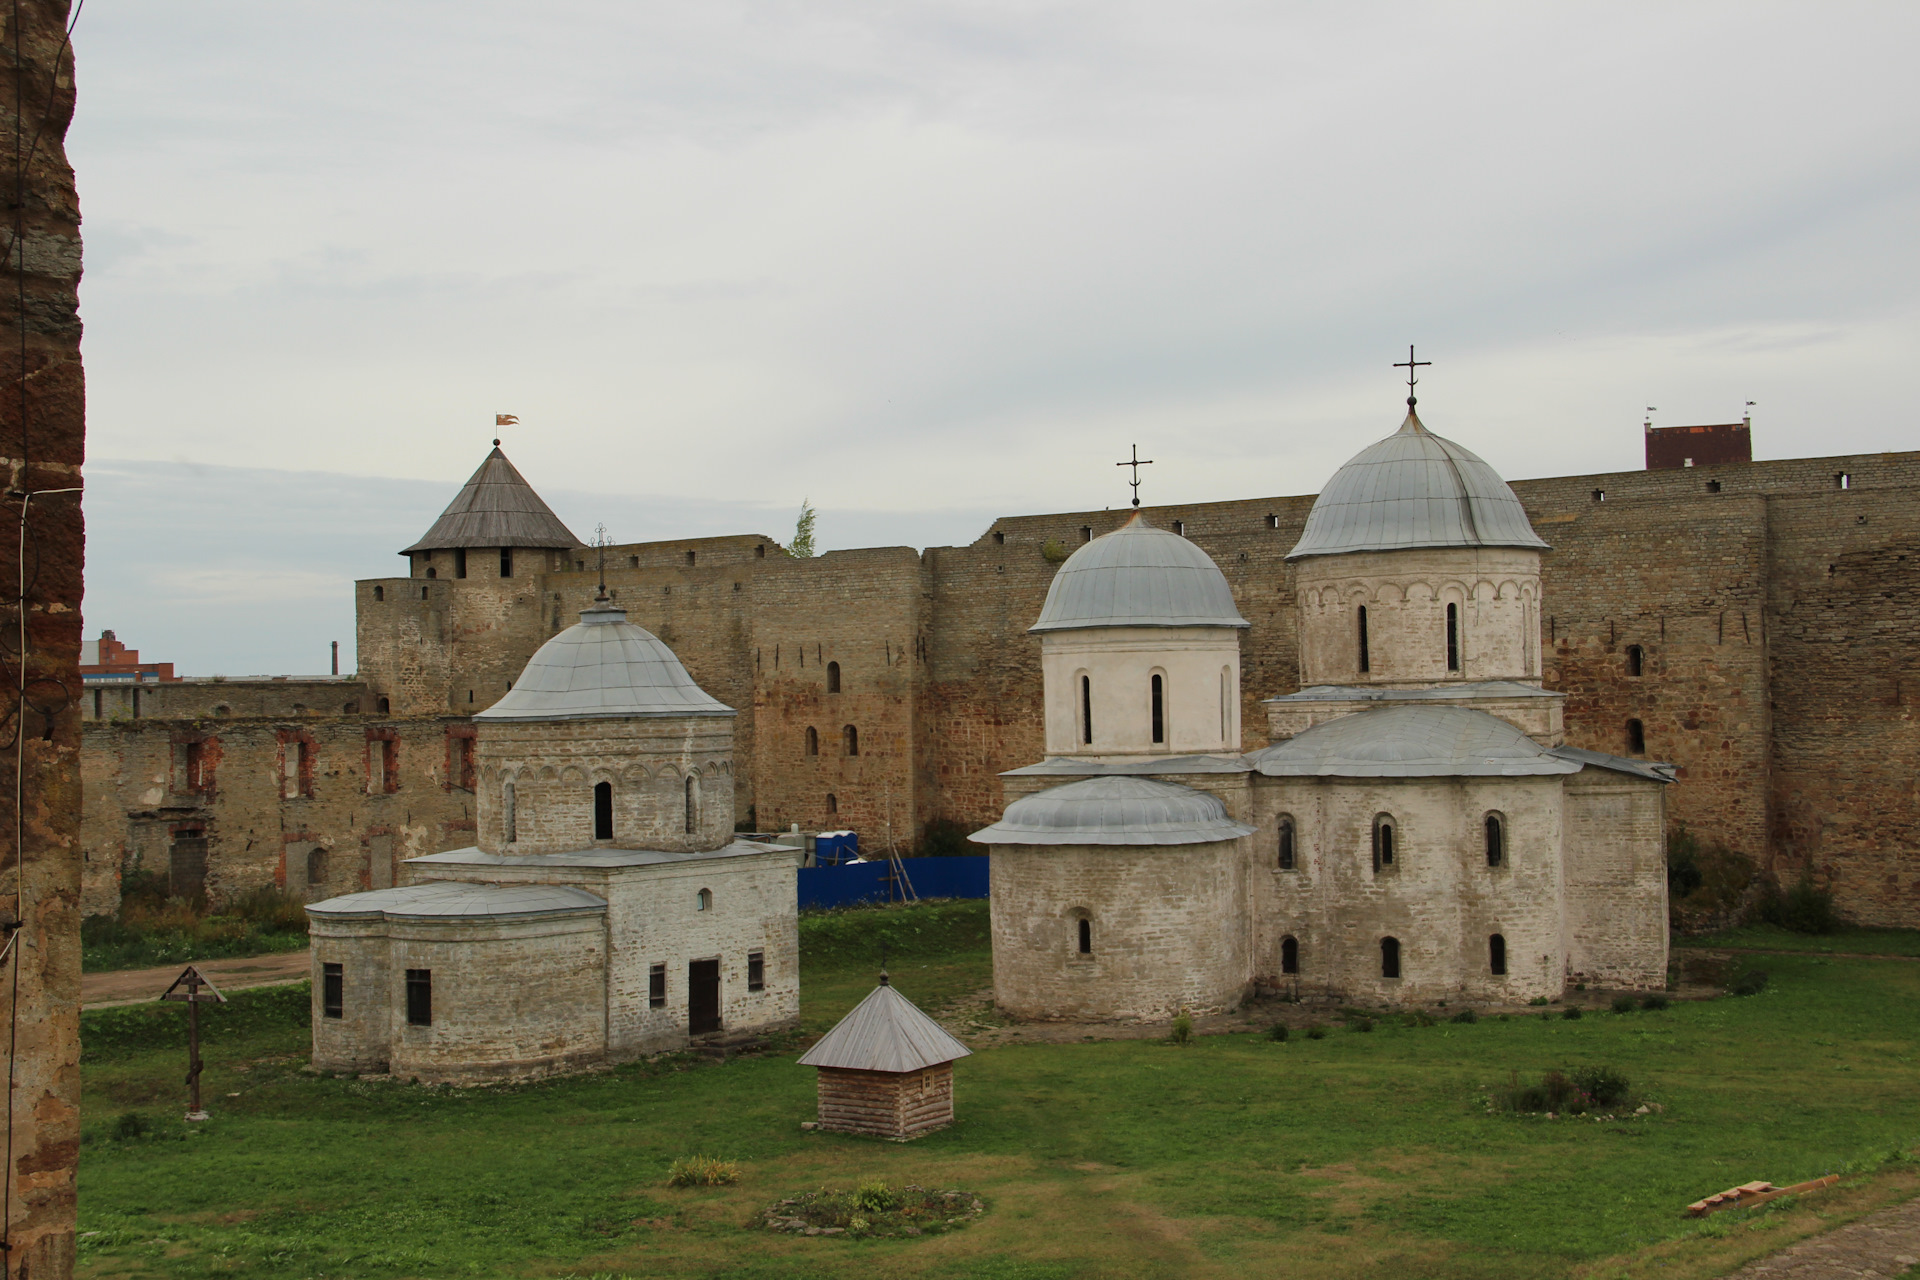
x=886 y=1069
x=496 y=508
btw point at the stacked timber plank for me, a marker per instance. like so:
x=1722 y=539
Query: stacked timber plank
x=886 y=1069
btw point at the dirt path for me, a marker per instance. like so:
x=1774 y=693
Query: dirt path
x=132 y=986
x=1879 y=1246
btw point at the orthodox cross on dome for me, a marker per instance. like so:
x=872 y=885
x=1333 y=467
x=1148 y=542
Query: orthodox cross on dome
x=504 y=420
x=1136 y=463
x=1410 y=364
x=600 y=541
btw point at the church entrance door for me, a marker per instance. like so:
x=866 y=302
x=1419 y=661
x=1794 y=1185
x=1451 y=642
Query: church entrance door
x=703 y=997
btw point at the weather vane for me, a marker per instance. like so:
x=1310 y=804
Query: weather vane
x=1410 y=364
x=503 y=420
x=1136 y=463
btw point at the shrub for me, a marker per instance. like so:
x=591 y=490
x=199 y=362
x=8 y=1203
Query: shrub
x=1466 y=1016
x=1052 y=551
x=944 y=838
x=1571 y=1012
x=1603 y=1085
x=1803 y=908
x=1564 y=1094
x=702 y=1171
x=1420 y=1018
x=874 y=1196
x=1182 y=1029
x=1623 y=1004
x=1316 y=1032
x=1654 y=1001
x=1750 y=983
x=1278 y=1032
x=1360 y=1024
x=130 y=1126
x=1538 y=1000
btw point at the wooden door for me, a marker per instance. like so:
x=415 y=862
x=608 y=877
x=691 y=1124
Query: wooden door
x=703 y=997
x=187 y=867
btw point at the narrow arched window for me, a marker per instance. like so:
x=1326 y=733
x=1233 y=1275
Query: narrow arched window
x=1286 y=842
x=603 y=811
x=1366 y=659
x=1086 y=937
x=1636 y=737
x=513 y=832
x=1497 y=955
x=1496 y=840
x=1389 y=957
x=316 y=867
x=852 y=736
x=379 y=593
x=833 y=677
x=813 y=741
x=1453 y=637
x=1226 y=703
x=1382 y=842
x=833 y=803
x=693 y=805
x=1159 y=709
x=1289 y=954
x=1636 y=659
x=506 y=562
x=1086 y=709
x=703 y=901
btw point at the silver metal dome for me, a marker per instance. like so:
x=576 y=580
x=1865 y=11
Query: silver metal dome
x=1417 y=741
x=1114 y=811
x=604 y=667
x=1138 y=576
x=1414 y=489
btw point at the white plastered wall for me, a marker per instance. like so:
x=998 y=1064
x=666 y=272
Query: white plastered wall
x=1195 y=664
x=1616 y=880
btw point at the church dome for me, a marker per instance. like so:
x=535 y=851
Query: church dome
x=1414 y=489
x=1139 y=576
x=603 y=667
x=1122 y=810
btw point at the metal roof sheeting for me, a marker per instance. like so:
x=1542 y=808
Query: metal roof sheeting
x=1652 y=769
x=1414 y=489
x=885 y=1032
x=1441 y=693
x=1416 y=741
x=472 y=857
x=604 y=667
x=1138 y=576
x=496 y=508
x=456 y=900
x=1136 y=811
x=1073 y=767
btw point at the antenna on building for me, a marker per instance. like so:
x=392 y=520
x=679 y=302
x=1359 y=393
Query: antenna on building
x=1137 y=463
x=600 y=541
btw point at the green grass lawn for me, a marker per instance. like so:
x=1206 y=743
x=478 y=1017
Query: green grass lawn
x=1883 y=942
x=1356 y=1155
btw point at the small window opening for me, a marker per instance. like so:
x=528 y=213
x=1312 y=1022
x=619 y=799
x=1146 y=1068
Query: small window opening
x=512 y=815
x=316 y=867
x=431 y=573
x=1636 y=659
x=703 y=901
x=1086 y=937
x=999 y=538
x=1497 y=955
x=833 y=677
x=1496 y=840
x=1180 y=527
x=333 y=983
x=1844 y=480
x=756 y=971
x=1636 y=737
x=420 y=997
x=657 y=986
x=1686 y=462
x=383 y=704
x=1453 y=637
x=759 y=552
x=379 y=593
x=1599 y=495
x=852 y=736
x=1289 y=954
x=1382 y=843
x=506 y=562
x=1086 y=709
x=1286 y=843
x=1713 y=486
x=1273 y=521
x=693 y=806
x=97 y=702
x=1366 y=659
x=603 y=811
x=459 y=562
x=1159 y=710
x=1086 y=533
x=1389 y=957
x=833 y=803
x=813 y=741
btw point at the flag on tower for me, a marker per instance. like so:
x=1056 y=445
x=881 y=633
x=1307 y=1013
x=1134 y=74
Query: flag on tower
x=505 y=420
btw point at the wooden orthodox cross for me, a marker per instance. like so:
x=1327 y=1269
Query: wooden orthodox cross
x=187 y=987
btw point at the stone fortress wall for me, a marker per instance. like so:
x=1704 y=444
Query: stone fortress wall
x=1775 y=607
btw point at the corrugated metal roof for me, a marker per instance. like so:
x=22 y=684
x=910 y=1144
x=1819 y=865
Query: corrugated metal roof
x=460 y=900
x=472 y=857
x=1137 y=811
x=885 y=1032
x=496 y=508
x=1138 y=576
x=1653 y=769
x=604 y=667
x=1417 y=741
x=1414 y=489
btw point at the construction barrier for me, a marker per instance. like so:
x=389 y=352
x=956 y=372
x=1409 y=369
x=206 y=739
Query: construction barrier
x=863 y=882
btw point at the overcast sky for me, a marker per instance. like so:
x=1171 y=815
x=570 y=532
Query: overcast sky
x=927 y=263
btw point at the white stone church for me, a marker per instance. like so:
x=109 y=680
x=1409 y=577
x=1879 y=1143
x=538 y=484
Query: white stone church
x=1417 y=831
x=606 y=911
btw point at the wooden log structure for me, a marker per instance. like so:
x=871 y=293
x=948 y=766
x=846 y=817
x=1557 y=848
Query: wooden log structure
x=886 y=1069
x=887 y=1104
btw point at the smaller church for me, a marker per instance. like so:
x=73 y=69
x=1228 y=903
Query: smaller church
x=1418 y=829
x=606 y=910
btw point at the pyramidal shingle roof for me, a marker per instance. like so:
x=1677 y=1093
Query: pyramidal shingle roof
x=885 y=1032
x=496 y=508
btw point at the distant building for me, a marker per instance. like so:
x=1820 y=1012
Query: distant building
x=1669 y=448
x=107 y=661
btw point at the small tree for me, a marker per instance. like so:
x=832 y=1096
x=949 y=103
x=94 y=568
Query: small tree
x=801 y=548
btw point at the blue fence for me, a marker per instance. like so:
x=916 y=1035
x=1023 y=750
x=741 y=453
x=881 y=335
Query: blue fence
x=859 y=882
